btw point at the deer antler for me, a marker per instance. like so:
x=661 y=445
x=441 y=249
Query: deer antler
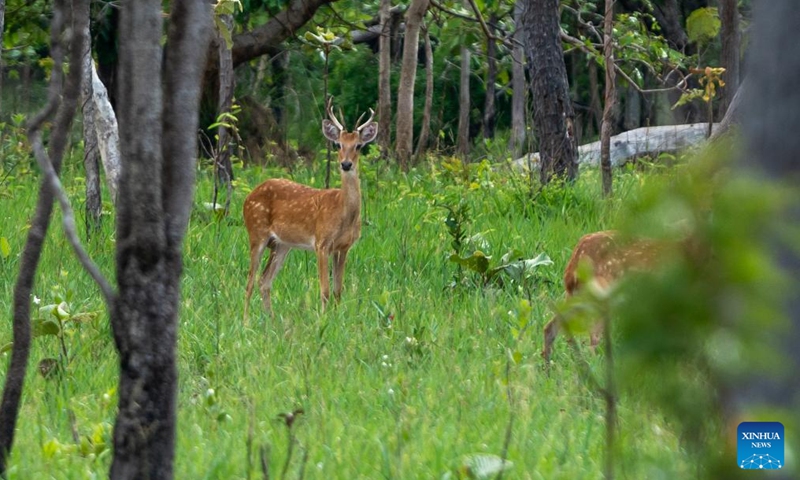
x=360 y=125
x=332 y=116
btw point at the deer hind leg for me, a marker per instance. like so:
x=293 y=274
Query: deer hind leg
x=595 y=335
x=256 y=251
x=276 y=258
x=324 y=280
x=550 y=334
x=339 y=259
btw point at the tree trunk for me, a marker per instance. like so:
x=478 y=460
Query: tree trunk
x=633 y=109
x=517 y=143
x=729 y=37
x=91 y=156
x=610 y=100
x=462 y=141
x=107 y=130
x=158 y=139
x=424 y=131
x=489 y=110
x=384 y=80
x=408 y=74
x=224 y=169
x=553 y=115
x=2 y=26
x=595 y=105
x=62 y=101
x=772 y=111
x=732 y=117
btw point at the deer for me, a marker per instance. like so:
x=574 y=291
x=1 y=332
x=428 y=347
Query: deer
x=281 y=215
x=610 y=260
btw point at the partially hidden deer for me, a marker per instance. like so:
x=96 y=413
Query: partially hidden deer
x=610 y=259
x=281 y=215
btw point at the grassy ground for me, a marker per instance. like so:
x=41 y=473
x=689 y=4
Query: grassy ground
x=401 y=380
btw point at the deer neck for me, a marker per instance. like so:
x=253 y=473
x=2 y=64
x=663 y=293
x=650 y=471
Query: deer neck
x=351 y=195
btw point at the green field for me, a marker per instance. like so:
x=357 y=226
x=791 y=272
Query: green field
x=420 y=365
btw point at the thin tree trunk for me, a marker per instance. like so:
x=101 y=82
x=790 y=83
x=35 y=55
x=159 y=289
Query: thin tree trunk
x=107 y=130
x=633 y=108
x=408 y=74
x=517 y=143
x=610 y=99
x=384 y=80
x=91 y=155
x=224 y=169
x=729 y=37
x=2 y=26
x=595 y=105
x=261 y=69
x=489 y=110
x=553 y=115
x=158 y=139
x=424 y=131
x=62 y=102
x=732 y=117
x=462 y=141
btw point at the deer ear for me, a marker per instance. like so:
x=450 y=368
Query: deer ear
x=368 y=133
x=330 y=130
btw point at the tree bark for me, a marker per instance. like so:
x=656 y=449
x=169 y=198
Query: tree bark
x=729 y=56
x=107 y=130
x=384 y=80
x=462 y=140
x=732 y=117
x=553 y=115
x=158 y=139
x=489 y=110
x=425 y=129
x=610 y=99
x=408 y=74
x=91 y=156
x=772 y=109
x=62 y=102
x=227 y=81
x=595 y=105
x=517 y=143
x=2 y=26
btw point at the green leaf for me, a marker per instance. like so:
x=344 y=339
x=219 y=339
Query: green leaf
x=7 y=347
x=45 y=327
x=477 y=262
x=703 y=25
x=5 y=248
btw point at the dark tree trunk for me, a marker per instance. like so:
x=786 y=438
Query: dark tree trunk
x=384 y=80
x=610 y=100
x=224 y=169
x=462 y=141
x=772 y=108
x=553 y=115
x=633 y=109
x=66 y=14
x=2 y=26
x=595 y=105
x=408 y=74
x=489 y=110
x=729 y=37
x=105 y=31
x=425 y=129
x=159 y=151
x=517 y=143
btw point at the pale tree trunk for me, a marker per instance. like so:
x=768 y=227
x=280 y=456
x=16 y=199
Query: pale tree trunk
x=223 y=169
x=610 y=99
x=462 y=140
x=553 y=115
x=772 y=116
x=60 y=110
x=408 y=73
x=158 y=138
x=91 y=156
x=489 y=110
x=732 y=116
x=517 y=143
x=425 y=129
x=729 y=38
x=384 y=80
x=105 y=123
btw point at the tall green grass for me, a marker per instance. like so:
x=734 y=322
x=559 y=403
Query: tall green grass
x=402 y=379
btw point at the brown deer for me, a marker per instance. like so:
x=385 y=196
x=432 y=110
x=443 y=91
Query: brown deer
x=609 y=260
x=281 y=215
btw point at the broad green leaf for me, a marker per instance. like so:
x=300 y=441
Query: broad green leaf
x=477 y=262
x=703 y=25
x=7 y=347
x=5 y=248
x=45 y=327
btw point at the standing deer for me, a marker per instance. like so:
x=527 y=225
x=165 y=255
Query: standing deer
x=280 y=215
x=610 y=260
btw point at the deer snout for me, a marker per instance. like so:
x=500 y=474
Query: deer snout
x=347 y=165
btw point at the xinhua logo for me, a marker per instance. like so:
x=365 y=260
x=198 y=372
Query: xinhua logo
x=760 y=445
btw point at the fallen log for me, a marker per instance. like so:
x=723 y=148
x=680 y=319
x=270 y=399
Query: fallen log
x=645 y=141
